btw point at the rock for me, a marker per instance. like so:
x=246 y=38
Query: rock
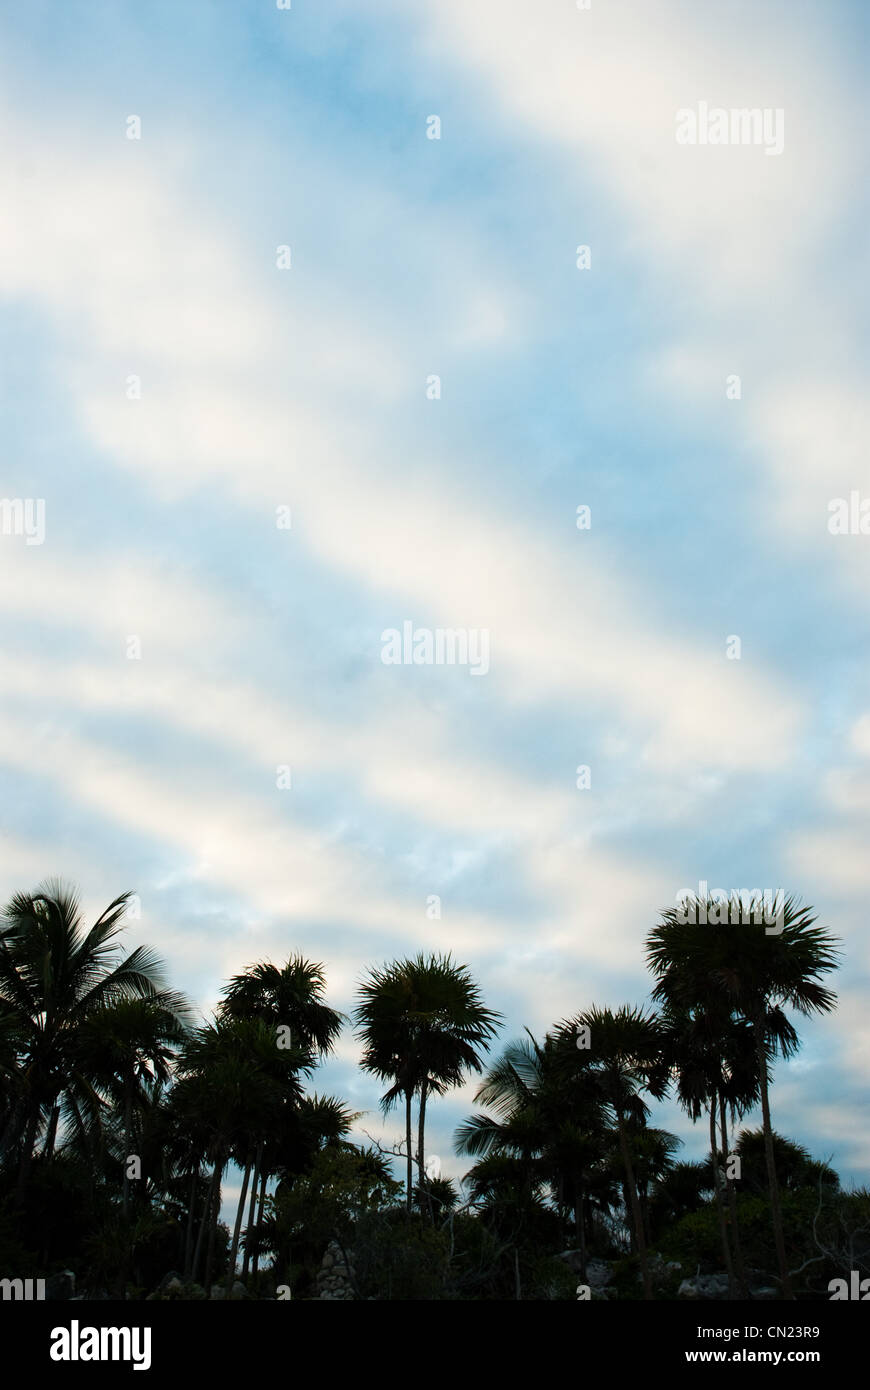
x=598 y=1274
x=335 y=1274
x=704 y=1286
x=172 y=1286
x=219 y=1291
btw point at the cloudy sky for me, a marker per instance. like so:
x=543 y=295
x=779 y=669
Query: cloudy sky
x=284 y=294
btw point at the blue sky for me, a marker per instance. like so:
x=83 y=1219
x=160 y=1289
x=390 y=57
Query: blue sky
x=306 y=387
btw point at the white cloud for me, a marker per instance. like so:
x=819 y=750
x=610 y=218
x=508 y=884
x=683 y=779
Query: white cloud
x=564 y=627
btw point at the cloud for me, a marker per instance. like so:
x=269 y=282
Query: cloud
x=564 y=626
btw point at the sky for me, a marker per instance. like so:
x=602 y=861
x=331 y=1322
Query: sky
x=299 y=345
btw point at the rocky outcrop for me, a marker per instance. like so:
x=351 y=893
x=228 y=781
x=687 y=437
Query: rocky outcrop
x=173 y=1288
x=704 y=1286
x=336 y=1275
x=598 y=1272
x=716 y=1286
x=219 y=1291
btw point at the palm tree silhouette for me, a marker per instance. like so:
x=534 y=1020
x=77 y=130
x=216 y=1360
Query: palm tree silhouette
x=288 y=998
x=710 y=1062
x=233 y=1083
x=751 y=971
x=56 y=977
x=623 y=1058
x=129 y=1048
x=423 y=1026
x=548 y=1131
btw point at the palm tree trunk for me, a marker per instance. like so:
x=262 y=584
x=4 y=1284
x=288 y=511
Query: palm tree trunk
x=237 y=1230
x=188 y=1239
x=12 y=1128
x=214 y=1218
x=421 y=1134
x=27 y=1151
x=562 y=1207
x=124 y=1270
x=410 y=1174
x=720 y=1201
x=209 y=1202
x=643 y=1200
x=742 y=1282
x=265 y=1183
x=775 y=1208
x=635 y=1206
x=580 y=1223
x=128 y=1136
x=255 y=1184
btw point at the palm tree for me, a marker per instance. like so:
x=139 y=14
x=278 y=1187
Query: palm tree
x=509 y=1144
x=315 y=1127
x=129 y=1047
x=795 y=1168
x=752 y=971
x=234 y=1082
x=652 y=1156
x=502 y=1178
x=55 y=977
x=623 y=1060
x=547 y=1131
x=287 y=997
x=680 y=1191
x=423 y=1025
x=13 y=1088
x=710 y=1060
